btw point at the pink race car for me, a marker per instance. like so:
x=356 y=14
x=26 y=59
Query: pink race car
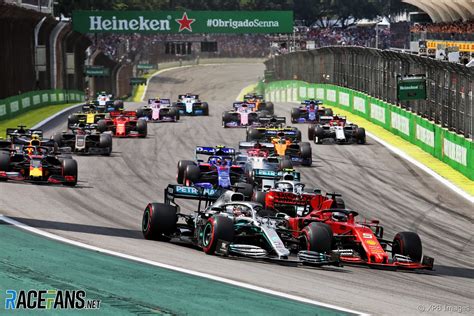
x=159 y=110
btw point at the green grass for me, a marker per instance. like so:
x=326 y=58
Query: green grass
x=31 y=118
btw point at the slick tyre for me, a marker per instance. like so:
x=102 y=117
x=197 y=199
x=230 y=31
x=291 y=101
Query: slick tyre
x=295 y=115
x=182 y=164
x=58 y=139
x=205 y=108
x=159 y=221
x=318 y=135
x=311 y=130
x=4 y=161
x=106 y=142
x=102 y=126
x=317 y=237
x=142 y=128
x=192 y=173
x=217 y=228
x=360 y=135
x=253 y=134
x=259 y=197
x=69 y=168
x=407 y=244
x=286 y=164
x=306 y=154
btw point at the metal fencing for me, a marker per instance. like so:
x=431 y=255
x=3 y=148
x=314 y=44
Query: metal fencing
x=450 y=86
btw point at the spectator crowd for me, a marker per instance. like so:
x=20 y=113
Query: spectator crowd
x=459 y=30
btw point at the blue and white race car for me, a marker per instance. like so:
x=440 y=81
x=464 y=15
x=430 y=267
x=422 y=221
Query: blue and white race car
x=189 y=104
x=309 y=112
x=220 y=170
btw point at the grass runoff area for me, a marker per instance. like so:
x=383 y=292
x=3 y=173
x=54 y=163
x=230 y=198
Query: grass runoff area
x=122 y=286
x=33 y=117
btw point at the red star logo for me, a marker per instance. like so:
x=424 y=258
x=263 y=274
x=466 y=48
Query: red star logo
x=185 y=23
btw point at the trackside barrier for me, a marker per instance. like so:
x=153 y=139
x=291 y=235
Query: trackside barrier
x=449 y=147
x=19 y=104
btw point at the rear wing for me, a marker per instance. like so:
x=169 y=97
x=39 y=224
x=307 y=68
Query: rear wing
x=214 y=151
x=192 y=96
x=165 y=101
x=237 y=105
x=251 y=145
x=21 y=131
x=289 y=133
x=124 y=113
x=273 y=120
x=176 y=191
x=307 y=102
x=290 y=174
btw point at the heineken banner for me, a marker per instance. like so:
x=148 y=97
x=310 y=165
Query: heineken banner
x=183 y=22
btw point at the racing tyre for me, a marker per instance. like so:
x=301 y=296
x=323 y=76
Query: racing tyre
x=72 y=120
x=306 y=154
x=311 y=132
x=318 y=135
x=102 y=126
x=205 y=108
x=177 y=112
x=253 y=118
x=4 y=161
x=295 y=115
x=118 y=105
x=69 y=167
x=253 y=134
x=58 y=139
x=226 y=118
x=259 y=197
x=328 y=112
x=141 y=113
x=360 y=135
x=407 y=244
x=270 y=107
x=142 y=128
x=245 y=188
x=298 y=135
x=217 y=228
x=159 y=221
x=192 y=173
x=286 y=164
x=317 y=237
x=106 y=142
x=182 y=164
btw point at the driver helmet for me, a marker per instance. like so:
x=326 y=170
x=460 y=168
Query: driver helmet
x=285 y=187
x=35 y=140
x=339 y=217
x=240 y=211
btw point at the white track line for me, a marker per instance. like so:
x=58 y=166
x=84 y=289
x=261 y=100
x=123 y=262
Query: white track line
x=423 y=167
x=173 y=268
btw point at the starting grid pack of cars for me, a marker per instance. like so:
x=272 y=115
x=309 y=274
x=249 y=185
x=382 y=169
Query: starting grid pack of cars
x=252 y=201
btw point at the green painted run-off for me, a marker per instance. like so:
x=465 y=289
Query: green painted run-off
x=124 y=287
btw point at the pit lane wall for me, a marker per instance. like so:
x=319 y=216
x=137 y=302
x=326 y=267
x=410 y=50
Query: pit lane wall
x=19 y=104
x=451 y=148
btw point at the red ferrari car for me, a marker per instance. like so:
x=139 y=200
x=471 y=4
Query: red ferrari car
x=123 y=124
x=324 y=218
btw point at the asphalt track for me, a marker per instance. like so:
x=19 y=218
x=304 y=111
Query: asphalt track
x=105 y=209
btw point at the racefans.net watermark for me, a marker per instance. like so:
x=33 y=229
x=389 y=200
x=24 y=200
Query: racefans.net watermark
x=48 y=299
x=444 y=308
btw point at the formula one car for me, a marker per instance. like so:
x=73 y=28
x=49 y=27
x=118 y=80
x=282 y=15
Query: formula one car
x=274 y=128
x=123 y=124
x=85 y=140
x=90 y=115
x=362 y=242
x=260 y=103
x=284 y=146
x=105 y=103
x=32 y=162
x=159 y=110
x=219 y=170
x=338 y=129
x=243 y=115
x=229 y=226
x=189 y=104
x=309 y=112
x=293 y=198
